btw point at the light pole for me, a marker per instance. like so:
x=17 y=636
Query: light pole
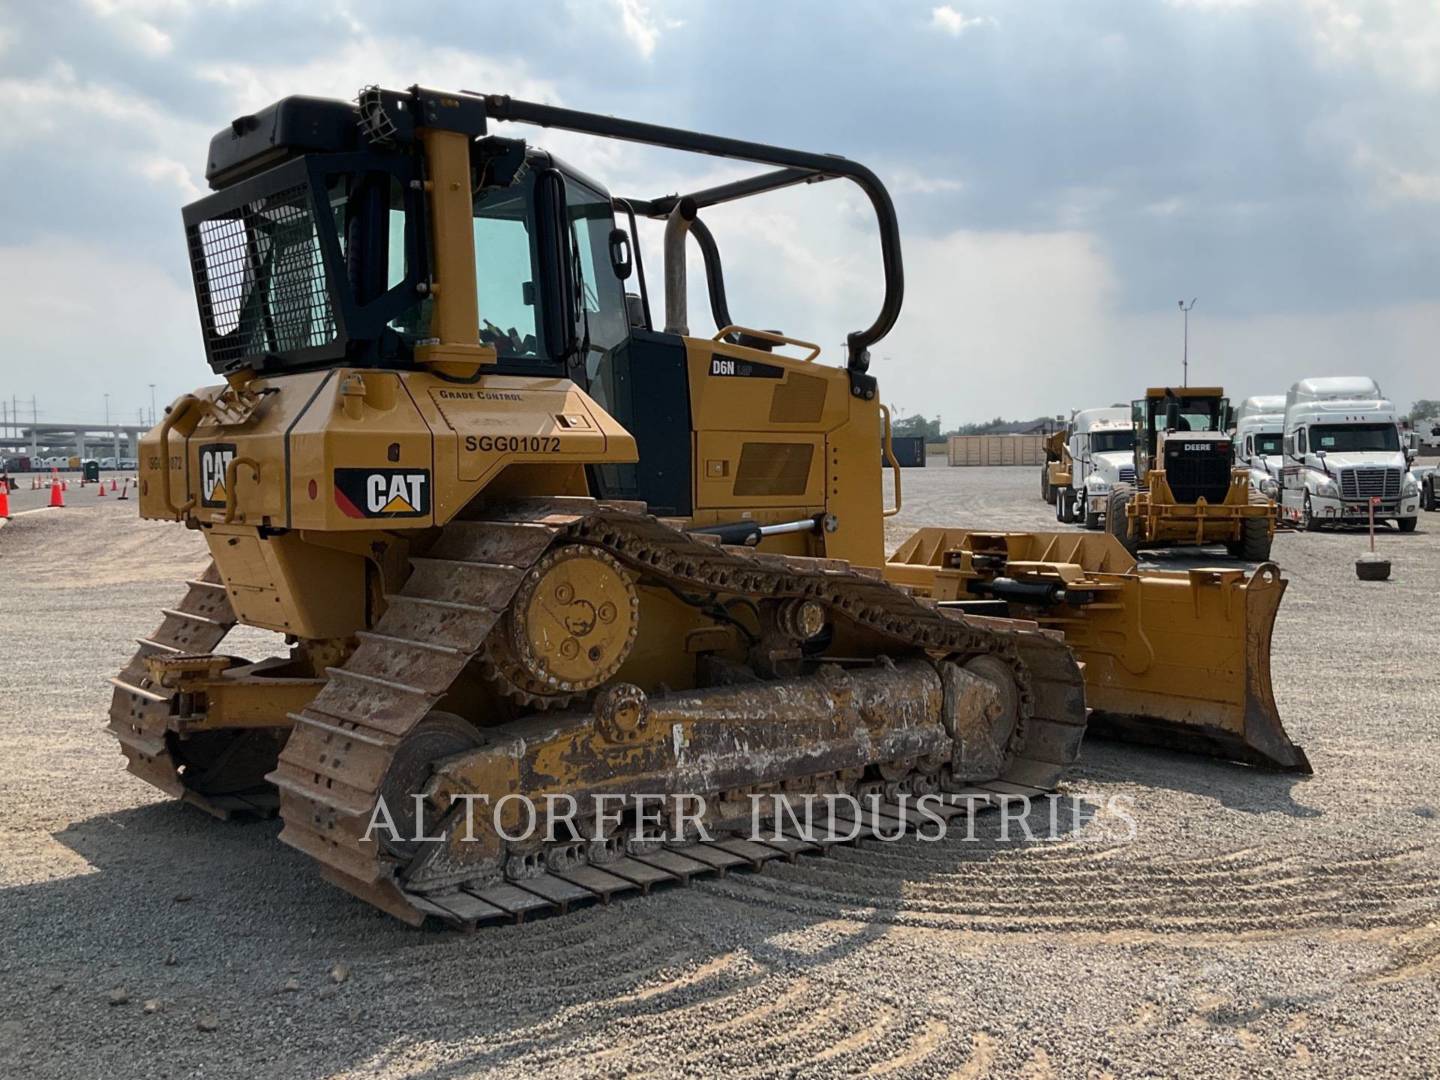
x=107 y=410
x=152 y=404
x=1185 y=355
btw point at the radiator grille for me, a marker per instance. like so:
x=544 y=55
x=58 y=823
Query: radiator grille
x=1127 y=474
x=773 y=468
x=260 y=278
x=1198 y=474
x=1364 y=483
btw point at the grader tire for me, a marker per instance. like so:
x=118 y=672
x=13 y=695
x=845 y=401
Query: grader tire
x=1256 y=536
x=1254 y=543
x=1117 y=520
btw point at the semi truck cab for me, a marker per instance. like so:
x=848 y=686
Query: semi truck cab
x=1259 y=437
x=1102 y=449
x=1342 y=450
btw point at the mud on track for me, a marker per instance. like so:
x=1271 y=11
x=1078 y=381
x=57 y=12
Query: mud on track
x=1255 y=922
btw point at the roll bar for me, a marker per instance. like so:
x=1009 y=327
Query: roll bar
x=439 y=108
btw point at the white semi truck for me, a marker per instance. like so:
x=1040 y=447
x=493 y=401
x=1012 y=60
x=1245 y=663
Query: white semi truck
x=1102 y=454
x=1259 y=436
x=1342 y=449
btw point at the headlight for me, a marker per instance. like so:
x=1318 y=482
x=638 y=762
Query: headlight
x=1269 y=488
x=1326 y=487
x=1410 y=485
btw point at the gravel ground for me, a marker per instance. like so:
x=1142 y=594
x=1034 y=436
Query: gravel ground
x=1256 y=924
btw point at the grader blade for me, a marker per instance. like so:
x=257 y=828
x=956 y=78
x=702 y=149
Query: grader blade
x=1178 y=659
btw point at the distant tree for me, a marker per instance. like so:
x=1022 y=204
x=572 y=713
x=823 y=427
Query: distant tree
x=1423 y=409
x=917 y=425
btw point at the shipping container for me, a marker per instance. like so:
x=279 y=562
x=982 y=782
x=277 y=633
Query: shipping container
x=997 y=449
x=909 y=451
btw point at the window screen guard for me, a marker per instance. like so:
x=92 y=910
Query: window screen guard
x=270 y=273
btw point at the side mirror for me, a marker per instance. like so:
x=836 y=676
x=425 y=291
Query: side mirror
x=620 y=259
x=559 y=313
x=1410 y=455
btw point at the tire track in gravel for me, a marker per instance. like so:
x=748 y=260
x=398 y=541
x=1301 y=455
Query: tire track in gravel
x=1241 y=892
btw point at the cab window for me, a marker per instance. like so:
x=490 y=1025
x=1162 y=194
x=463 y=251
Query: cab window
x=591 y=219
x=505 y=272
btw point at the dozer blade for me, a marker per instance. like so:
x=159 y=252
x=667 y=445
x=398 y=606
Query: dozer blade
x=1179 y=659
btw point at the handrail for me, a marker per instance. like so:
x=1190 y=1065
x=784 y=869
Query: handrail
x=173 y=415
x=232 y=470
x=770 y=336
x=895 y=465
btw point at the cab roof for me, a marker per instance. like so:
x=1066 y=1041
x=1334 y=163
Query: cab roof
x=1185 y=391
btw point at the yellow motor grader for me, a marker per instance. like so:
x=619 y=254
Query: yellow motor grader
x=529 y=542
x=1187 y=489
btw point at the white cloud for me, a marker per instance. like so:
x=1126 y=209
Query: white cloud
x=955 y=23
x=1398 y=40
x=999 y=323
x=174 y=173
x=128 y=324
x=639 y=26
x=391 y=62
x=909 y=182
x=84 y=117
x=1216 y=5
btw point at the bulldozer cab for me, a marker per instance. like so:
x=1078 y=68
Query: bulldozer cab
x=399 y=233
x=1169 y=411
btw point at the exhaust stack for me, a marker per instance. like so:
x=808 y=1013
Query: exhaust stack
x=677 y=227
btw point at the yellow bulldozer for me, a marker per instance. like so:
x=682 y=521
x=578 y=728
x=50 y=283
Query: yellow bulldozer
x=528 y=543
x=1187 y=488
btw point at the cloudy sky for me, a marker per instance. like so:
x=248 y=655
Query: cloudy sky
x=1064 y=171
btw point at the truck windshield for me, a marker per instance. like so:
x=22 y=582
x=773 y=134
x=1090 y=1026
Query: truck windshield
x=1355 y=438
x=1106 y=442
x=1266 y=445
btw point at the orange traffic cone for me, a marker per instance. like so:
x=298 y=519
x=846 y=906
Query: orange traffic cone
x=57 y=495
x=112 y=483
x=4 y=500
x=101 y=486
x=124 y=491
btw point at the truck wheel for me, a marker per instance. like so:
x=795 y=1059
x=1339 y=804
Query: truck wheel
x=1406 y=524
x=1064 y=507
x=1427 y=493
x=1117 y=521
x=1092 y=512
x=1308 y=521
x=1255 y=540
x=1046 y=491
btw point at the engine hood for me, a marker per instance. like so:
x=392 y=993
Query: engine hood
x=1105 y=468
x=1379 y=459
